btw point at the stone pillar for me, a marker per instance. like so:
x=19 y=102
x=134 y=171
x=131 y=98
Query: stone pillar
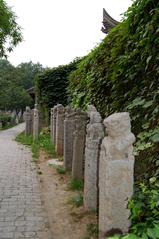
x=28 y=121
x=32 y=119
x=54 y=117
x=95 y=133
x=35 y=123
x=79 y=145
x=60 y=129
x=116 y=174
x=51 y=125
x=69 y=128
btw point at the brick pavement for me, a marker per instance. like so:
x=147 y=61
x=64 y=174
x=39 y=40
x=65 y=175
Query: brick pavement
x=21 y=211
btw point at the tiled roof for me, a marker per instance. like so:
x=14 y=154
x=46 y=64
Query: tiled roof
x=108 y=22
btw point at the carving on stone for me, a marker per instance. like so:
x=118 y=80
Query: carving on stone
x=60 y=129
x=116 y=171
x=79 y=144
x=69 y=128
x=120 y=139
x=35 y=122
x=95 y=133
x=53 y=124
x=28 y=121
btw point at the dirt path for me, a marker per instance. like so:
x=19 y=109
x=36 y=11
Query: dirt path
x=66 y=222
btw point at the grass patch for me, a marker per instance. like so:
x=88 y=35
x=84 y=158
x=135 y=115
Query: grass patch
x=7 y=126
x=60 y=170
x=77 y=200
x=75 y=185
x=92 y=231
x=26 y=140
x=43 y=143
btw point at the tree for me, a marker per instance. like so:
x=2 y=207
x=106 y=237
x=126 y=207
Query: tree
x=12 y=92
x=27 y=72
x=10 y=31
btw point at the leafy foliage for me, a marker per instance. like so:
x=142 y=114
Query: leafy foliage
x=51 y=86
x=10 y=32
x=14 y=81
x=75 y=184
x=121 y=74
x=144 y=207
x=77 y=200
x=4 y=119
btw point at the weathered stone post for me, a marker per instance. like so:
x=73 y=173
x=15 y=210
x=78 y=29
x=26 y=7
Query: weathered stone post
x=35 y=123
x=51 y=125
x=54 y=118
x=116 y=171
x=69 y=128
x=95 y=133
x=60 y=129
x=28 y=121
x=79 y=145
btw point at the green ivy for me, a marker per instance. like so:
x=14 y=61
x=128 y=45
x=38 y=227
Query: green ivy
x=144 y=207
x=122 y=74
x=51 y=86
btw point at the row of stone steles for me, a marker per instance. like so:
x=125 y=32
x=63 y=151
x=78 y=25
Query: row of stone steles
x=31 y=118
x=106 y=148
x=100 y=152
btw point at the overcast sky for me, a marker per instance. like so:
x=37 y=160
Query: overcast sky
x=57 y=31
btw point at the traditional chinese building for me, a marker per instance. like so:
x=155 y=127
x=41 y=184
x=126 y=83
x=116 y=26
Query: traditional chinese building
x=108 y=22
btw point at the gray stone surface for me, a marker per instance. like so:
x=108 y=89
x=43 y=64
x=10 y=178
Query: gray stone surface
x=116 y=171
x=95 y=133
x=60 y=129
x=69 y=128
x=22 y=214
x=28 y=120
x=79 y=145
x=35 y=123
x=53 y=124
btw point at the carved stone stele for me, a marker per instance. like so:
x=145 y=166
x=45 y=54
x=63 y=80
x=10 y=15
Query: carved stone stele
x=60 y=129
x=116 y=174
x=69 y=128
x=53 y=124
x=95 y=133
x=28 y=121
x=35 y=123
x=79 y=145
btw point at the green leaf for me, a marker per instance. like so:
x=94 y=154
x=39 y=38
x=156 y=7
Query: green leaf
x=144 y=236
x=130 y=236
x=148 y=59
x=155 y=138
x=148 y=104
x=151 y=233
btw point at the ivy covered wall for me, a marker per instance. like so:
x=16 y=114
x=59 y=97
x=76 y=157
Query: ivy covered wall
x=122 y=74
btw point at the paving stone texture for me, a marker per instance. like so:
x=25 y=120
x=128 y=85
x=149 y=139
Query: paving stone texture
x=22 y=214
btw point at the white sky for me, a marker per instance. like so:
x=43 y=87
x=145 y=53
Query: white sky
x=57 y=31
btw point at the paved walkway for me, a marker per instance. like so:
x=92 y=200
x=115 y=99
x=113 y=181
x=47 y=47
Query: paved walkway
x=21 y=211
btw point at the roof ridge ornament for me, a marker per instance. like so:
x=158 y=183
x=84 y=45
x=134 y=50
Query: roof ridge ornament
x=108 y=22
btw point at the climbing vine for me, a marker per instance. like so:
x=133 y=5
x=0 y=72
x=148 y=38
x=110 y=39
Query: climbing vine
x=121 y=74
